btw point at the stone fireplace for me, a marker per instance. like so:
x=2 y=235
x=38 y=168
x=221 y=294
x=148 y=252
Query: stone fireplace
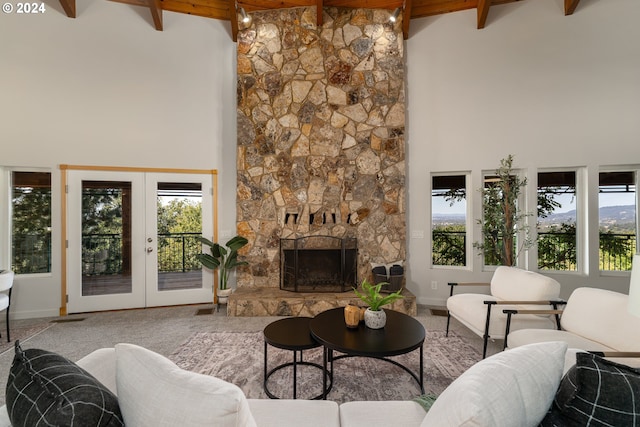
x=321 y=149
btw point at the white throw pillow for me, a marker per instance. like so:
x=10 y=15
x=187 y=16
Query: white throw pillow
x=512 y=388
x=153 y=391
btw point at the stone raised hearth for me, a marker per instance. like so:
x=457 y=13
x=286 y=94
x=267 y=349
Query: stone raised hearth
x=276 y=302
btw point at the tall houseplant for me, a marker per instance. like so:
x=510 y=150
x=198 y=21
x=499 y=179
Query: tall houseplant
x=374 y=316
x=224 y=258
x=502 y=217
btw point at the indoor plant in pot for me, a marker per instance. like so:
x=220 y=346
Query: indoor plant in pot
x=224 y=258
x=374 y=316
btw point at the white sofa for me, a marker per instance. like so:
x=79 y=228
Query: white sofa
x=512 y=388
x=593 y=320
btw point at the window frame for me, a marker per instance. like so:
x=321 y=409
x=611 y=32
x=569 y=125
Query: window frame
x=581 y=220
x=635 y=168
x=6 y=218
x=469 y=253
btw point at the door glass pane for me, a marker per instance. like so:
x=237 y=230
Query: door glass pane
x=106 y=237
x=179 y=226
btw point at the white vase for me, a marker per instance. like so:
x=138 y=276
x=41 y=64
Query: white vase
x=375 y=319
x=223 y=295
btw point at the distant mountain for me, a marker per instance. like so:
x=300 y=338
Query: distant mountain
x=610 y=216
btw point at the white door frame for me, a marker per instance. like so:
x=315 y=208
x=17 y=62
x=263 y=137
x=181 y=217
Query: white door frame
x=210 y=228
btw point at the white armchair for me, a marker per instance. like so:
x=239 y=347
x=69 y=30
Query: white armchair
x=510 y=287
x=6 y=285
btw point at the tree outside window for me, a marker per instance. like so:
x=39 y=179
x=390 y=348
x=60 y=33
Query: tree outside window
x=31 y=222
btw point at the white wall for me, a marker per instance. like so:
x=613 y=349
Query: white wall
x=106 y=88
x=553 y=90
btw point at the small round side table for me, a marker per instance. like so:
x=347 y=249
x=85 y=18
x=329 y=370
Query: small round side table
x=292 y=334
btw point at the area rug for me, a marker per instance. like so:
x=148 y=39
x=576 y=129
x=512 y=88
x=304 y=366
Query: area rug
x=21 y=333
x=238 y=357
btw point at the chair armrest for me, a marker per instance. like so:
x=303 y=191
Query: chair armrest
x=616 y=353
x=536 y=302
x=511 y=311
x=452 y=285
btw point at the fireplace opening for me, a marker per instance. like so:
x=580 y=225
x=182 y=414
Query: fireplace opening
x=318 y=264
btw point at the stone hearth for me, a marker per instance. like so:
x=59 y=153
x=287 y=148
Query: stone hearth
x=276 y=302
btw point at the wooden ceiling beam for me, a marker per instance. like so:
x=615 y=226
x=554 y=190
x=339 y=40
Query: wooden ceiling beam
x=483 y=11
x=69 y=7
x=319 y=5
x=406 y=19
x=233 y=17
x=156 y=13
x=570 y=6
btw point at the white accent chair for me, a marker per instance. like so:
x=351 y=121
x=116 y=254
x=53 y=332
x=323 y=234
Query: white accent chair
x=6 y=286
x=594 y=320
x=510 y=287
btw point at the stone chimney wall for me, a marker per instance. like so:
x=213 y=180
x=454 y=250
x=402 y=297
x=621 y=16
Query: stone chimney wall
x=321 y=149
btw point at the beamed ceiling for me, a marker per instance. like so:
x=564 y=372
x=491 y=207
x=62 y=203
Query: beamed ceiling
x=227 y=10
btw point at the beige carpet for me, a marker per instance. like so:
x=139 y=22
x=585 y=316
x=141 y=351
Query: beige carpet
x=238 y=357
x=21 y=333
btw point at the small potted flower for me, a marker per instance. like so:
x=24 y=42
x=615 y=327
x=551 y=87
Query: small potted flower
x=374 y=316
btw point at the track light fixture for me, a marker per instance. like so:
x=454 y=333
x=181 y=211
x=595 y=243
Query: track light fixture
x=246 y=19
x=395 y=14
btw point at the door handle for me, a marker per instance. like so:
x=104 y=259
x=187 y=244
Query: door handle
x=149 y=249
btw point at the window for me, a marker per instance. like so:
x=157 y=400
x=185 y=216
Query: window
x=449 y=219
x=617 y=219
x=31 y=222
x=557 y=218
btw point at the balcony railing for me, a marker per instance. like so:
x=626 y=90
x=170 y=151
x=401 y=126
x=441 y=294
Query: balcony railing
x=102 y=253
x=556 y=250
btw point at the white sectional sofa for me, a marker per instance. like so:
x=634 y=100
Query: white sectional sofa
x=512 y=388
x=593 y=320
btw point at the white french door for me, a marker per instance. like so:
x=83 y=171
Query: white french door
x=132 y=238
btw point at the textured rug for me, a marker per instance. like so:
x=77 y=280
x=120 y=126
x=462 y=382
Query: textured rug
x=22 y=333
x=238 y=357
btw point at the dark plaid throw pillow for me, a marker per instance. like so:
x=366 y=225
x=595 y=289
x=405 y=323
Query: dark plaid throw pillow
x=596 y=392
x=46 y=389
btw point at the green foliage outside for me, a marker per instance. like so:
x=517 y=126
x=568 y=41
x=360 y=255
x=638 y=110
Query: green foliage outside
x=31 y=230
x=502 y=219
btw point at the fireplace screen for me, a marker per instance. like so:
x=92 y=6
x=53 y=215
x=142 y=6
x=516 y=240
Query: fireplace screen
x=318 y=264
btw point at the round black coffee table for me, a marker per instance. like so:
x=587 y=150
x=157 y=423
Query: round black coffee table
x=402 y=334
x=292 y=334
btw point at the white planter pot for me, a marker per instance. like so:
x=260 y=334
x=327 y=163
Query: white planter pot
x=223 y=295
x=375 y=319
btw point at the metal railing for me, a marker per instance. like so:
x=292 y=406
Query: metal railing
x=31 y=253
x=556 y=250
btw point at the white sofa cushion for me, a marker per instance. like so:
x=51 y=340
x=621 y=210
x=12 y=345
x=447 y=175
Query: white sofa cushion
x=531 y=336
x=512 y=388
x=381 y=414
x=602 y=316
x=153 y=391
x=294 y=413
x=515 y=284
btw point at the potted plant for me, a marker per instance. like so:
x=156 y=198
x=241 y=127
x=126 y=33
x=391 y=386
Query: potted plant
x=224 y=258
x=374 y=316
